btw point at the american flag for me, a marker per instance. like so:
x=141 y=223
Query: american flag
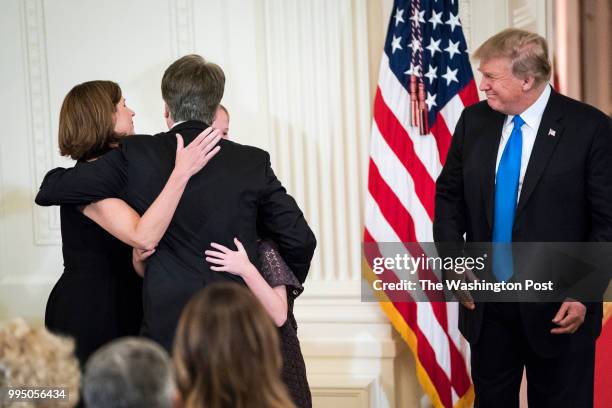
x=425 y=82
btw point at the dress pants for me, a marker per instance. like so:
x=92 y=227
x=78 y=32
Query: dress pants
x=503 y=350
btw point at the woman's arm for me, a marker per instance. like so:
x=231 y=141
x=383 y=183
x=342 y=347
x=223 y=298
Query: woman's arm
x=118 y=218
x=237 y=262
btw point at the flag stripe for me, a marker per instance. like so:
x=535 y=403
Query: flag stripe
x=399 y=180
x=376 y=223
x=390 y=207
x=395 y=214
x=436 y=335
x=398 y=100
x=469 y=93
x=442 y=369
x=426 y=354
x=452 y=111
x=403 y=168
x=399 y=141
x=435 y=326
x=443 y=137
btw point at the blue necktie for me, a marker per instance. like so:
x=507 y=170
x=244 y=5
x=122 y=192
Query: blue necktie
x=506 y=194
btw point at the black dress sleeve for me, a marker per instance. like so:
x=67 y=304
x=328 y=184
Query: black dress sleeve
x=86 y=182
x=280 y=219
x=275 y=271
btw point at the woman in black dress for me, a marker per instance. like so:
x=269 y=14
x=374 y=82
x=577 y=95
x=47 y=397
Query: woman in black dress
x=98 y=297
x=276 y=287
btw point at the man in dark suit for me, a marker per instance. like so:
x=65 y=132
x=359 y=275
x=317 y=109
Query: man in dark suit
x=235 y=195
x=527 y=165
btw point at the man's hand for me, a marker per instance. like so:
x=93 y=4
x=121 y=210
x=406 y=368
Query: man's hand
x=569 y=317
x=464 y=296
x=466 y=299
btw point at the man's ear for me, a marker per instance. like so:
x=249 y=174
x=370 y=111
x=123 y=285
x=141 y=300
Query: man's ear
x=528 y=83
x=167 y=117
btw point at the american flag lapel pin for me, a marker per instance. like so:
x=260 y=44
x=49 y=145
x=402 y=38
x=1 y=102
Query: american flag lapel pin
x=552 y=132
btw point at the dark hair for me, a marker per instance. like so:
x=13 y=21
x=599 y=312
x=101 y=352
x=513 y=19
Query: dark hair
x=86 y=122
x=226 y=352
x=192 y=88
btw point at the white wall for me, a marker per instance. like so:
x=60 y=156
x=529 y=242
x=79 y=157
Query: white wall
x=300 y=75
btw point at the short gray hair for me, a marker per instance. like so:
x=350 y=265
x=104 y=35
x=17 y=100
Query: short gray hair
x=528 y=52
x=192 y=88
x=129 y=373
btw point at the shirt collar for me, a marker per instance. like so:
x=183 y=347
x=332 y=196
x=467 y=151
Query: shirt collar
x=533 y=114
x=176 y=124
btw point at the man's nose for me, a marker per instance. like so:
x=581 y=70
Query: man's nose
x=484 y=84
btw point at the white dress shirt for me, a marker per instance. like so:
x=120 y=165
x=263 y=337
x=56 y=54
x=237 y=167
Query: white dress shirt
x=532 y=117
x=176 y=124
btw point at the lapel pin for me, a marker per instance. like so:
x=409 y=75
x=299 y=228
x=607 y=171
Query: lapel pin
x=551 y=132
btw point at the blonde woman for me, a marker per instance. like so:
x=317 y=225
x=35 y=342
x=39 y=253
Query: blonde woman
x=31 y=356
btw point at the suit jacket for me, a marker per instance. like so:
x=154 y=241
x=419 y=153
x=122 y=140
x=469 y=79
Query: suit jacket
x=235 y=195
x=566 y=197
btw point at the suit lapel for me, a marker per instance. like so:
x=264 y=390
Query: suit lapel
x=492 y=135
x=543 y=148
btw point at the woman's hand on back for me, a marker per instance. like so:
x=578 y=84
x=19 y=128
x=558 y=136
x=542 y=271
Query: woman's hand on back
x=225 y=260
x=193 y=158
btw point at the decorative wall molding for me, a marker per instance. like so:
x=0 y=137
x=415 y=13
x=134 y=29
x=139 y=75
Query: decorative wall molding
x=348 y=348
x=340 y=391
x=318 y=97
x=523 y=14
x=181 y=27
x=532 y=15
x=465 y=15
x=337 y=302
x=45 y=220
